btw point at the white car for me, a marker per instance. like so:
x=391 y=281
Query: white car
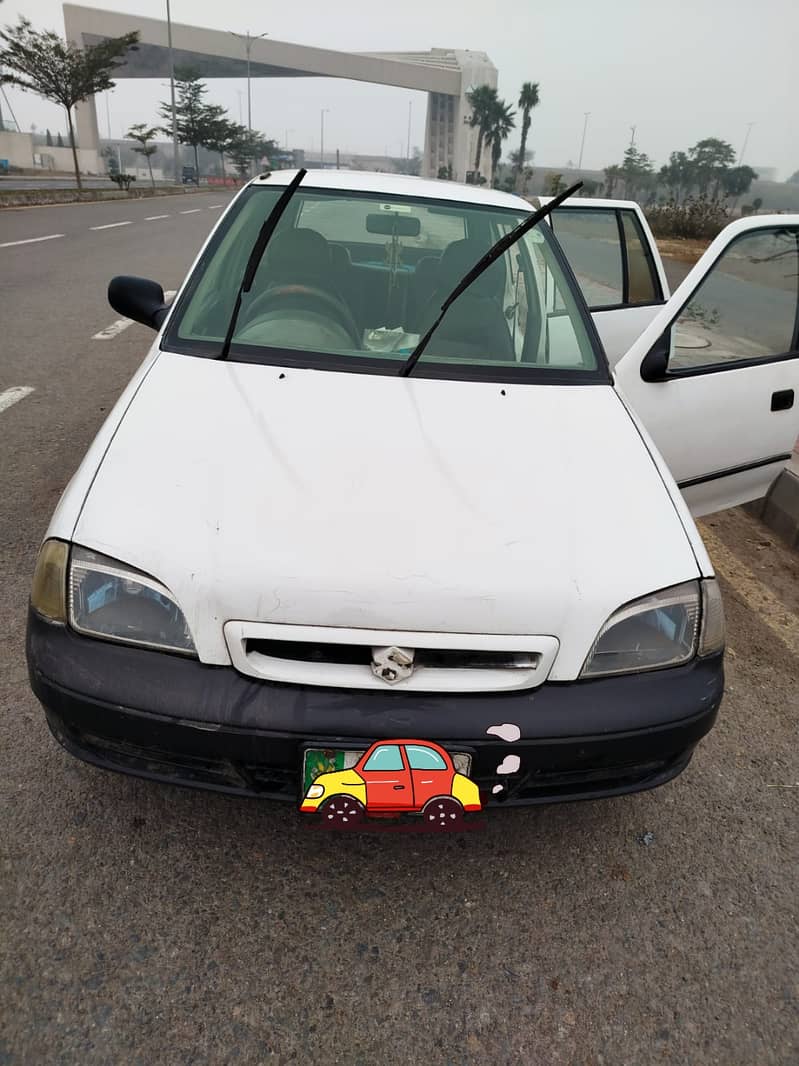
x=281 y=544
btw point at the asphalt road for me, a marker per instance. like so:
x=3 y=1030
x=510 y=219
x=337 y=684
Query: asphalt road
x=145 y=924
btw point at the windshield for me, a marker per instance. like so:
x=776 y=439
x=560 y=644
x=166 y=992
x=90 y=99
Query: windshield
x=350 y=281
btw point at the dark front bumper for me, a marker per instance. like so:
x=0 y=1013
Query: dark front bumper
x=174 y=719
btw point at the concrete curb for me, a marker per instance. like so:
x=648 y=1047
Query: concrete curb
x=779 y=509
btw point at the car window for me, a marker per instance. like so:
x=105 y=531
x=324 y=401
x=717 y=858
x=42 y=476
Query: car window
x=643 y=285
x=745 y=309
x=592 y=243
x=386 y=757
x=346 y=284
x=424 y=758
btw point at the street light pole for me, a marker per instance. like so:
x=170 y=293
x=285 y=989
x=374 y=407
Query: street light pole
x=410 y=112
x=582 y=142
x=325 y=111
x=175 y=149
x=248 y=42
x=746 y=141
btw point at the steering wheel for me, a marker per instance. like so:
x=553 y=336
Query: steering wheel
x=326 y=304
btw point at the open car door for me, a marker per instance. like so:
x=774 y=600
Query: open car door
x=714 y=378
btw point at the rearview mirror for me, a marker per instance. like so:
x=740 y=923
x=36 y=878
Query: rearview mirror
x=139 y=299
x=656 y=361
x=391 y=224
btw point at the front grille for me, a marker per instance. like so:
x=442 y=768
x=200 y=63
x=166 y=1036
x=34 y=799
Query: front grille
x=361 y=655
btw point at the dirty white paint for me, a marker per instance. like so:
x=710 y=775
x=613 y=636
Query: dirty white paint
x=507 y=731
x=509 y=765
x=14 y=395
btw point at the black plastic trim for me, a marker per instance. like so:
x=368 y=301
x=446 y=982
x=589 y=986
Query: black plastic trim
x=732 y=470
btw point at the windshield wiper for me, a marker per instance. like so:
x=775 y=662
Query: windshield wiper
x=256 y=255
x=491 y=255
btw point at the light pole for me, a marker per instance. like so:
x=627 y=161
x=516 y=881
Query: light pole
x=746 y=141
x=632 y=138
x=582 y=142
x=324 y=111
x=286 y=137
x=108 y=113
x=175 y=149
x=410 y=112
x=248 y=43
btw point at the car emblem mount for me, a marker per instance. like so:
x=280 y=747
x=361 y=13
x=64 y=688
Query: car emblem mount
x=392 y=664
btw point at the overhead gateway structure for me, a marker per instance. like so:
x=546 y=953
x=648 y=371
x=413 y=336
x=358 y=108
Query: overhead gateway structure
x=445 y=75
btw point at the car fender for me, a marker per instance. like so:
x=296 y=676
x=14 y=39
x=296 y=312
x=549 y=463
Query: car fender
x=466 y=792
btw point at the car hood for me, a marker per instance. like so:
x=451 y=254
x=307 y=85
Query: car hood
x=363 y=501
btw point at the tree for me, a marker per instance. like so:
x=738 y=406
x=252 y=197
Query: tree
x=612 y=175
x=737 y=180
x=49 y=139
x=248 y=146
x=500 y=123
x=43 y=63
x=794 y=178
x=144 y=136
x=638 y=172
x=554 y=184
x=679 y=175
x=190 y=110
x=219 y=132
x=59 y=140
x=482 y=101
x=711 y=157
x=529 y=98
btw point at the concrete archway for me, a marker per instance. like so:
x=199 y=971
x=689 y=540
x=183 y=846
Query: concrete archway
x=446 y=76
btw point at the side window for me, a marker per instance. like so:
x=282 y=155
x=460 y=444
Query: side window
x=592 y=244
x=643 y=286
x=424 y=758
x=386 y=757
x=746 y=307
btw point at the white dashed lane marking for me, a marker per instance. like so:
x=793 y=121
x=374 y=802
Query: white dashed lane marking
x=14 y=395
x=111 y=225
x=191 y=211
x=122 y=324
x=215 y=207
x=153 y=218
x=32 y=240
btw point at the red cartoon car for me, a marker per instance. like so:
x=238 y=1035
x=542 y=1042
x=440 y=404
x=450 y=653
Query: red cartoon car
x=395 y=777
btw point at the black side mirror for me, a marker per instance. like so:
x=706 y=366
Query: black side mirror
x=139 y=299
x=656 y=361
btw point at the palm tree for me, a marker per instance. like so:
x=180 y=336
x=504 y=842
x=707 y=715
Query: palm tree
x=482 y=101
x=528 y=99
x=500 y=123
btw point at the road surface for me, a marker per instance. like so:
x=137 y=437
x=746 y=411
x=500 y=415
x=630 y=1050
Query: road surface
x=144 y=924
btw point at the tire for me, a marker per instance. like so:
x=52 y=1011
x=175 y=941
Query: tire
x=443 y=813
x=342 y=812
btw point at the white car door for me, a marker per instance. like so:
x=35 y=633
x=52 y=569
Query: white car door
x=714 y=378
x=617 y=265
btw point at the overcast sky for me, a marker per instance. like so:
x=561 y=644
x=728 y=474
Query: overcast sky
x=679 y=70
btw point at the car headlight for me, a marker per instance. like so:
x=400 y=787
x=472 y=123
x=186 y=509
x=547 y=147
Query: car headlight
x=315 y=791
x=665 y=629
x=106 y=598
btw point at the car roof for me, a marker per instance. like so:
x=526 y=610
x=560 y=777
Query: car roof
x=397 y=185
x=592 y=201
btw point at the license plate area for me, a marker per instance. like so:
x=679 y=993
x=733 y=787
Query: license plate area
x=319 y=760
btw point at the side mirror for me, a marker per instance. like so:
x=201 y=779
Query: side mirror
x=139 y=299
x=656 y=361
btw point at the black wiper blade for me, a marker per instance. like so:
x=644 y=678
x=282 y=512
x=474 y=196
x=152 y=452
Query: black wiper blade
x=256 y=255
x=491 y=256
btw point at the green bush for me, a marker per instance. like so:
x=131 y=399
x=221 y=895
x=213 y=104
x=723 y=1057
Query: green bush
x=694 y=217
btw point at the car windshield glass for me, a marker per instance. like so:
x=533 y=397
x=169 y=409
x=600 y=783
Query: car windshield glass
x=352 y=280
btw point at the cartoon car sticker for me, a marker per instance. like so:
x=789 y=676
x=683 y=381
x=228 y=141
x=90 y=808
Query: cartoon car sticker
x=392 y=778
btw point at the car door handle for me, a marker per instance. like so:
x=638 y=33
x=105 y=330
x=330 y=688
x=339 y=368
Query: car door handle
x=398 y=787
x=782 y=400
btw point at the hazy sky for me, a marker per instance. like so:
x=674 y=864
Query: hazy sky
x=678 y=70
